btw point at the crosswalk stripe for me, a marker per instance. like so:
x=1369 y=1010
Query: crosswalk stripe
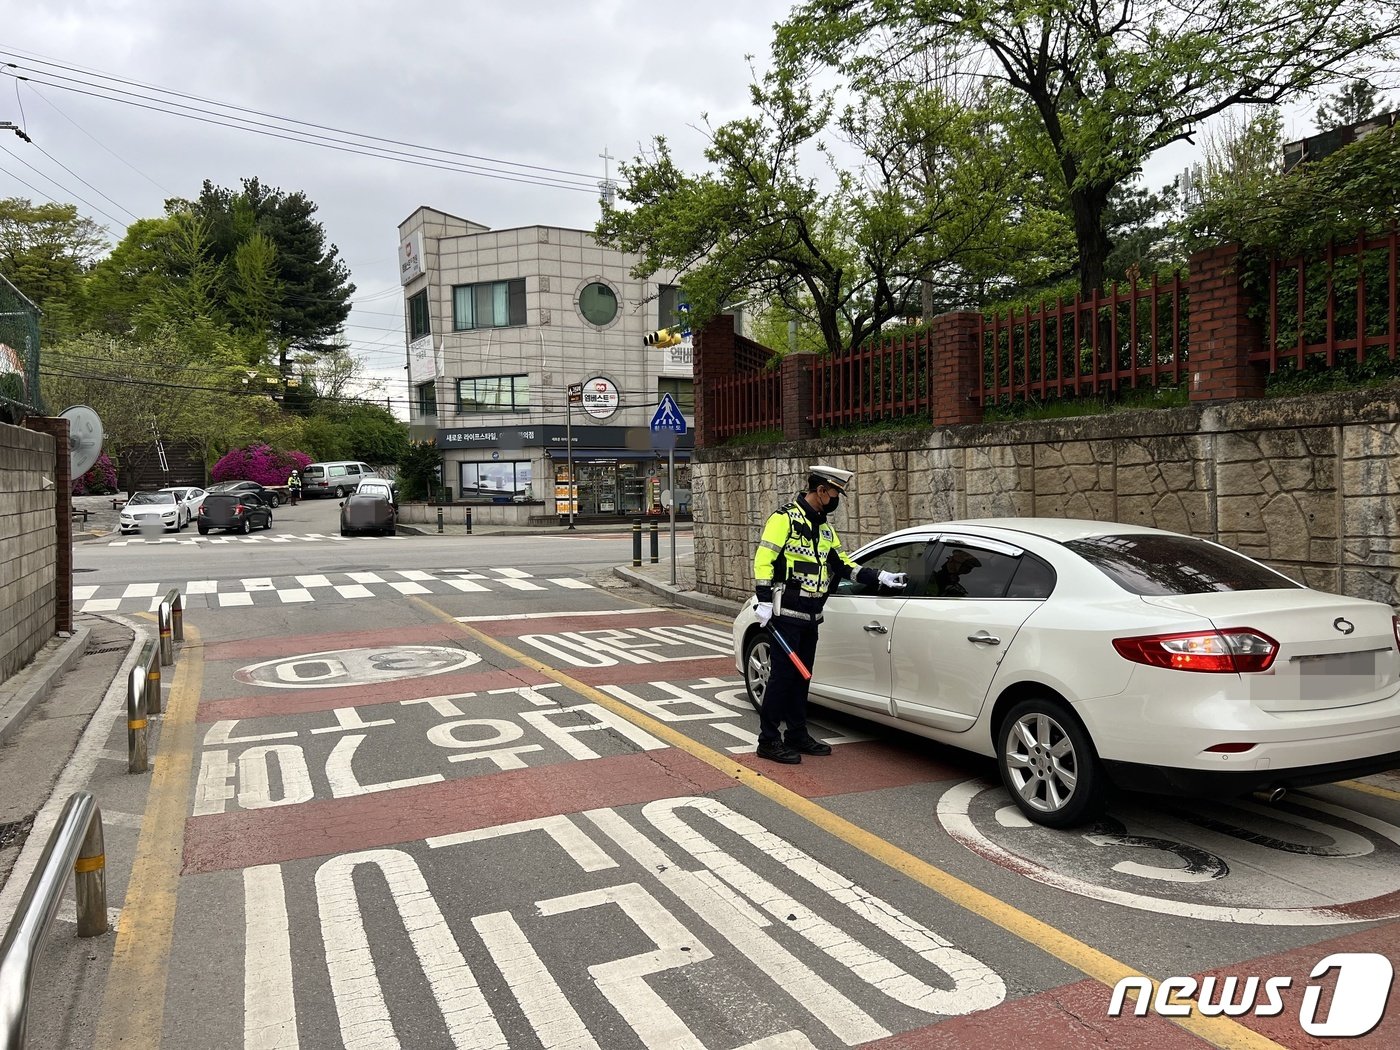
x=353 y=590
x=576 y=585
x=313 y=581
x=295 y=594
x=521 y=585
x=415 y=574
x=82 y=594
x=365 y=577
x=465 y=585
x=235 y=598
x=410 y=588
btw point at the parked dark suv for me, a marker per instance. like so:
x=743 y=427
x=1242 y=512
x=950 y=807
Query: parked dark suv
x=237 y=511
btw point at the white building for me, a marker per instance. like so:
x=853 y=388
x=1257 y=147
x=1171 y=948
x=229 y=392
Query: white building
x=500 y=324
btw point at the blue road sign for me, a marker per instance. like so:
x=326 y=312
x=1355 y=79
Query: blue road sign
x=668 y=416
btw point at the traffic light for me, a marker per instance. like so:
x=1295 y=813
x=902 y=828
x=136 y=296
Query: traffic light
x=663 y=337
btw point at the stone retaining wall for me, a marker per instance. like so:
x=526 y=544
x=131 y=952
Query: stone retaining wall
x=28 y=549
x=1308 y=485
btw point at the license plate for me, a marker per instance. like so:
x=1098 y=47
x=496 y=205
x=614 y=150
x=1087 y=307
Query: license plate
x=1338 y=664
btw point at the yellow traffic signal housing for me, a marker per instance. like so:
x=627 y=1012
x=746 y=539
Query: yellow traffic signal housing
x=663 y=337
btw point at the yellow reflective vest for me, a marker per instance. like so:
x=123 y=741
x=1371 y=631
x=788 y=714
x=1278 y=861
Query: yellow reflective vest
x=801 y=552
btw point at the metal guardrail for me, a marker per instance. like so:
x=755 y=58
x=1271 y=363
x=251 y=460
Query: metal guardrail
x=76 y=843
x=143 y=696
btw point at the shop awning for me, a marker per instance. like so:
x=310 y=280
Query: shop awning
x=585 y=454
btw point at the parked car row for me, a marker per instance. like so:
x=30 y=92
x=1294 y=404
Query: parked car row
x=369 y=506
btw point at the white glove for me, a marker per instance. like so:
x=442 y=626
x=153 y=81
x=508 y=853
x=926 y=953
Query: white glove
x=764 y=612
x=894 y=580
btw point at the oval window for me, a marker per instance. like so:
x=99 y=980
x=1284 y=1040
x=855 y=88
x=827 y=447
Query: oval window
x=598 y=304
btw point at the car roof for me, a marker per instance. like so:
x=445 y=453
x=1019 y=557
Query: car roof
x=1061 y=530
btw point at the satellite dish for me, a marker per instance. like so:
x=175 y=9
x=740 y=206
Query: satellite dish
x=84 y=439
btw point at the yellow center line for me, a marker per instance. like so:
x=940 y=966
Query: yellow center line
x=133 y=1002
x=1371 y=789
x=1218 y=1031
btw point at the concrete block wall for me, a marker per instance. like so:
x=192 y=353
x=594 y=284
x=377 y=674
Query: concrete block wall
x=1308 y=485
x=28 y=548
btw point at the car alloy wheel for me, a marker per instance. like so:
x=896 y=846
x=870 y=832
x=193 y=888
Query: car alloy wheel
x=1048 y=764
x=244 y=527
x=274 y=499
x=758 y=666
x=340 y=492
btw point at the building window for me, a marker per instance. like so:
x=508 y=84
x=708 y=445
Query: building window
x=682 y=390
x=598 y=304
x=493 y=394
x=496 y=480
x=493 y=304
x=667 y=301
x=426 y=399
x=418 y=325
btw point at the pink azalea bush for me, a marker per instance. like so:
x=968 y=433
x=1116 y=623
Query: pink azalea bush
x=98 y=481
x=261 y=463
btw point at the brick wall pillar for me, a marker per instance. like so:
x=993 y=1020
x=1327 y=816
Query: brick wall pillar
x=57 y=428
x=797 y=395
x=954 y=348
x=714 y=359
x=1222 y=334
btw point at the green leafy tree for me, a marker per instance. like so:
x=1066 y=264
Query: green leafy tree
x=1109 y=84
x=45 y=250
x=418 y=467
x=279 y=270
x=844 y=256
x=186 y=383
x=1352 y=103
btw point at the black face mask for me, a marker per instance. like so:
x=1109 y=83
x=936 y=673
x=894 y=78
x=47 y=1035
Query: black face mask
x=830 y=508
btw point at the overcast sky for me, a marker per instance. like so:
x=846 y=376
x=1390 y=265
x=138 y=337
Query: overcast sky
x=549 y=83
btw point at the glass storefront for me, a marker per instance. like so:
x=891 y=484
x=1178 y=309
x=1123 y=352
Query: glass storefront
x=622 y=488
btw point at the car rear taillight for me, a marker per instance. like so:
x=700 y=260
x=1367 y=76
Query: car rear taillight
x=1236 y=650
x=1395 y=626
x=201 y=510
x=239 y=509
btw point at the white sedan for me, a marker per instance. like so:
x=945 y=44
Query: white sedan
x=1085 y=654
x=189 y=497
x=152 y=510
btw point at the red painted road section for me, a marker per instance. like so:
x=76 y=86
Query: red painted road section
x=272 y=702
x=254 y=650
x=228 y=841
x=514 y=627
x=679 y=672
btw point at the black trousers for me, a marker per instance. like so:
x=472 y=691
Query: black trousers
x=785 y=700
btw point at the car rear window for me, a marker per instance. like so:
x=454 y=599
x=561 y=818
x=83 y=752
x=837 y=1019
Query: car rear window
x=1144 y=563
x=216 y=498
x=314 y=472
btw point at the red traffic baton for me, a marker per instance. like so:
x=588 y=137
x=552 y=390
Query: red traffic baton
x=796 y=660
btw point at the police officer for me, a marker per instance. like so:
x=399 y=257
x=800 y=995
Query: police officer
x=801 y=552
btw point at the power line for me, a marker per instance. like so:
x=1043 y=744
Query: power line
x=54 y=106
x=30 y=56
x=60 y=185
x=293 y=135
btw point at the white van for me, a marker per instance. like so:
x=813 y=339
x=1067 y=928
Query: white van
x=338 y=477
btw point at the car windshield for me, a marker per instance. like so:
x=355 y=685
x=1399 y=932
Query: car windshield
x=1152 y=564
x=150 y=499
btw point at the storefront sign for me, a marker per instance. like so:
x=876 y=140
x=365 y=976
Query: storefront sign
x=423 y=362
x=678 y=360
x=411 y=262
x=550 y=436
x=600 y=397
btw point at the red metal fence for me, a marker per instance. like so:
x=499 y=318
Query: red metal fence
x=1343 y=303
x=1129 y=337
x=876 y=382
x=747 y=403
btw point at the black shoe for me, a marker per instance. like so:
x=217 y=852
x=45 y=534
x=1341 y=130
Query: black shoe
x=779 y=753
x=809 y=747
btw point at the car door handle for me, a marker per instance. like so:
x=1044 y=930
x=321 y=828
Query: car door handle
x=876 y=628
x=983 y=638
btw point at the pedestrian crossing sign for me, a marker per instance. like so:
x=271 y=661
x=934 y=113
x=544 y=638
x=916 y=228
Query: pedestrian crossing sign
x=668 y=417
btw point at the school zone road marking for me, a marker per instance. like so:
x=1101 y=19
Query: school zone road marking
x=1218 y=1031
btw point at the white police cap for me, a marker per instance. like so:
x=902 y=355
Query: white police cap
x=832 y=476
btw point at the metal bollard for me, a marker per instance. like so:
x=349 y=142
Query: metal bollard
x=136 y=720
x=467 y=519
x=167 y=644
x=637 y=543
x=90 y=880
x=439 y=517
x=654 y=541
x=177 y=613
x=150 y=659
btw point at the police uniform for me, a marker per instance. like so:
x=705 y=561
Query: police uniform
x=800 y=552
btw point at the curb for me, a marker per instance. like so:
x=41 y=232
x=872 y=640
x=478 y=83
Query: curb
x=693 y=599
x=28 y=688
